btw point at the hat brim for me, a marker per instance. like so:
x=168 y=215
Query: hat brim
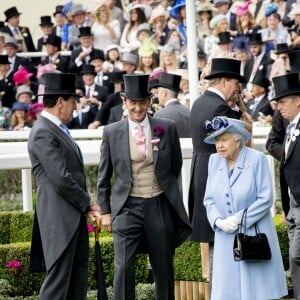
x=291 y=92
x=282 y=51
x=240 y=78
x=85 y=73
x=134 y=98
x=59 y=94
x=230 y=128
x=169 y=87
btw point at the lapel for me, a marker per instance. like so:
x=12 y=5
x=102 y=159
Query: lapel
x=63 y=136
x=155 y=148
x=240 y=164
x=293 y=142
x=123 y=138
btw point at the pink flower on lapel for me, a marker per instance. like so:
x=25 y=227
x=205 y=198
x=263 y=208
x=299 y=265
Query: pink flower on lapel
x=159 y=131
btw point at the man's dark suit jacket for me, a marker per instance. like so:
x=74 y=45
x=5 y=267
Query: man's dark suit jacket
x=7 y=90
x=73 y=67
x=275 y=146
x=26 y=36
x=206 y=107
x=264 y=67
x=290 y=165
x=116 y=114
x=115 y=157
x=62 y=63
x=62 y=198
x=263 y=107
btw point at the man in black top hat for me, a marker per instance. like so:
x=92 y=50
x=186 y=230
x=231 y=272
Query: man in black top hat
x=287 y=94
x=60 y=237
x=224 y=82
x=21 y=34
x=259 y=62
x=53 y=47
x=7 y=93
x=46 y=26
x=259 y=106
x=82 y=55
x=144 y=155
x=225 y=43
x=95 y=94
x=171 y=108
x=59 y=19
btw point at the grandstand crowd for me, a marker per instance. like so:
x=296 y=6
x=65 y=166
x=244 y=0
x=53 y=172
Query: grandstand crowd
x=102 y=43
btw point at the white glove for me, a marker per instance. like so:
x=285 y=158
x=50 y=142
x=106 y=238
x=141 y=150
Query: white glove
x=226 y=225
x=233 y=220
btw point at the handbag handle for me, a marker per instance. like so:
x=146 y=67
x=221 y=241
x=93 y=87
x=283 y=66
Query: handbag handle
x=243 y=224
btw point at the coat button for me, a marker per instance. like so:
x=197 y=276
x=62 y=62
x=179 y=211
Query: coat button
x=227 y=195
x=230 y=211
x=228 y=203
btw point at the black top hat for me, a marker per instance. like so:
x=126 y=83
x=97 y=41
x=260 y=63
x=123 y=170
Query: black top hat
x=224 y=38
x=136 y=87
x=59 y=84
x=225 y=67
x=85 y=31
x=11 y=12
x=79 y=84
x=169 y=81
x=117 y=76
x=97 y=54
x=153 y=83
x=1 y=24
x=4 y=59
x=46 y=20
x=55 y=41
x=88 y=69
x=260 y=80
x=286 y=85
x=255 y=38
x=282 y=48
x=294 y=57
x=58 y=10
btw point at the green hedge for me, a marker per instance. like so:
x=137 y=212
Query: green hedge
x=16 y=227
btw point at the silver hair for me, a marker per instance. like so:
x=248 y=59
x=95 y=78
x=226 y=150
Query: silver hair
x=239 y=137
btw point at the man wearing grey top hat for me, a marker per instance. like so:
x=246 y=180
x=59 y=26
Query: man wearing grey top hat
x=144 y=155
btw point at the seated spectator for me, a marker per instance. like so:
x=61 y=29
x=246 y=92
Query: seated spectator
x=7 y=92
x=159 y=25
x=24 y=94
x=20 y=119
x=178 y=12
x=130 y=62
x=113 y=59
x=2 y=42
x=136 y=14
x=106 y=31
x=168 y=59
x=46 y=26
x=65 y=27
x=59 y=20
x=4 y=117
x=295 y=30
x=147 y=57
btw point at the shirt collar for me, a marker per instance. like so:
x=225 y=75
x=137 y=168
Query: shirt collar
x=216 y=91
x=145 y=123
x=171 y=101
x=51 y=118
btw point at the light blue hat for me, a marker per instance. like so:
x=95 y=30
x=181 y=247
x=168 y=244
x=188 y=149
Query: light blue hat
x=219 y=125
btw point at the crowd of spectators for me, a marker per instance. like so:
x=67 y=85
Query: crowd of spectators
x=102 y=43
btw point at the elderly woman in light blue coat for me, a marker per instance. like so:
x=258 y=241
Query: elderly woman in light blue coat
x=239 y=179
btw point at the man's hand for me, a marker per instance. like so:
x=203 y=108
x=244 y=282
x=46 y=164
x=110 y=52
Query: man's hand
x=106 y=222
x=94 y=211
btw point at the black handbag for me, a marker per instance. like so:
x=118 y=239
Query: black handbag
x=248 y=247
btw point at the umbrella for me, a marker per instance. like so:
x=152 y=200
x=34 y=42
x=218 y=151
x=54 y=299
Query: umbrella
x=99 y=273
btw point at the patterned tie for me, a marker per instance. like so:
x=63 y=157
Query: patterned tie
x=88 y=93
x=288 y=133
x=67 y=132
x=16 y=31
x=140 y=139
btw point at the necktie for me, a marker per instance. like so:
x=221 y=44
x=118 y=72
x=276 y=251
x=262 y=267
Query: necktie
x=67 y=132
x=16 y=31
x=88 y=93
x=140 y=140
x=288 y=133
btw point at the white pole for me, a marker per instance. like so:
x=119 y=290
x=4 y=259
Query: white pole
x=192 y=50
x=27 y=189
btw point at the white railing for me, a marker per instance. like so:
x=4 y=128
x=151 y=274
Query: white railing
x=14 y=155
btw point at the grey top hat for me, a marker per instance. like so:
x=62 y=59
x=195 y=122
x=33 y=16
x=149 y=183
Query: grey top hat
x=59 y=84
x=225 y=67
x=286 y=85
x=220 y=125
x=77 y=9
x=130 y=58
x=136 y=87
x=23 y=89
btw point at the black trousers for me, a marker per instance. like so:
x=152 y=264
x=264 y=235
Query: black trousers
x=151 y=218
x=68 y=277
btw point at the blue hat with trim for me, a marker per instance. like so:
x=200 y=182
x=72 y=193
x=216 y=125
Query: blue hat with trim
x=220 y=125
x=19 y=106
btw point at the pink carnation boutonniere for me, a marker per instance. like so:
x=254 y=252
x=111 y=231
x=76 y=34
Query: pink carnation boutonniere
x=158 y=133
x=90 y=228
x=14 y=266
